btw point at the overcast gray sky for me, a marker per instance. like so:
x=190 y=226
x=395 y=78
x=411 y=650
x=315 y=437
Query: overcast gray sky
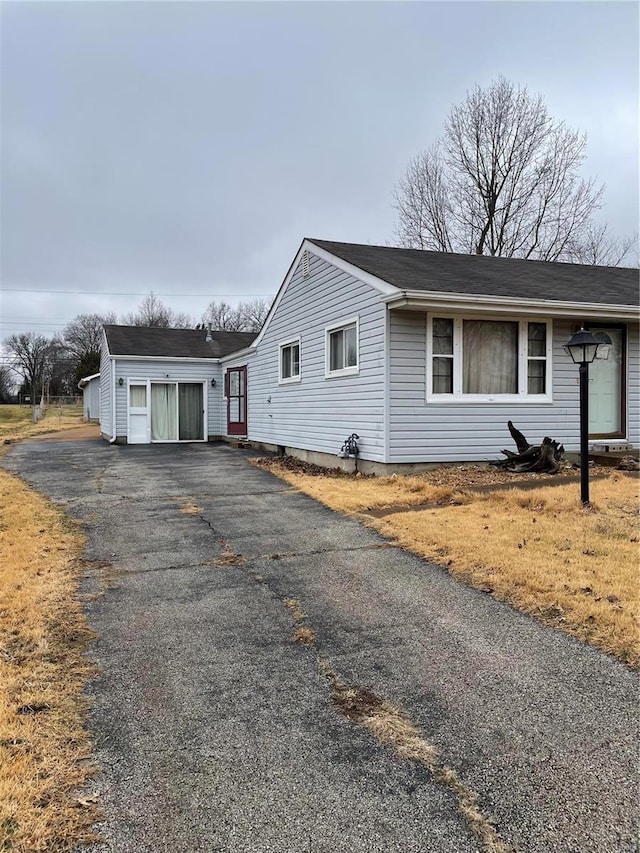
x=187 y=148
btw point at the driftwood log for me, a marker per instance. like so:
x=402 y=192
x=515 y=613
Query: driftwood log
x=542 y=458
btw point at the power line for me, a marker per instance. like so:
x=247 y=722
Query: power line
x=131 y=293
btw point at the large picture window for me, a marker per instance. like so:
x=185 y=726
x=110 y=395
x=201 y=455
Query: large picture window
x=342 y=349
x=477 y=359
x=290 y=361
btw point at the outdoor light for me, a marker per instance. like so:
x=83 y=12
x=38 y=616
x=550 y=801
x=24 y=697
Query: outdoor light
x=121 y=382
x=583 y=347
x=213 y=383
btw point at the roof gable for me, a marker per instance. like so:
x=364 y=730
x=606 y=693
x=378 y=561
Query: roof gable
x=418 y=270
x=157 y=342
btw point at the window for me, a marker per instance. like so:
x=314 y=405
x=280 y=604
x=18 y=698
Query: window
x=342 y=349
x=471 y=359
x=290 y=361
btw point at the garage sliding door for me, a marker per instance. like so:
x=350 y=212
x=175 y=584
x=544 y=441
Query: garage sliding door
x=177 y=411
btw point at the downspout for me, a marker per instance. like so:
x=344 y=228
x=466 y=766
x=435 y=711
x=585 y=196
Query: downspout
x=113 y=401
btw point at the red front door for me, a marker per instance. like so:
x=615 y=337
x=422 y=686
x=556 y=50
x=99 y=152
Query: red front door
x=236 y=388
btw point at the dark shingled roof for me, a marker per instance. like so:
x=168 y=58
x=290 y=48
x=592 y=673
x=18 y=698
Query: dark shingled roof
x=483 y=275
x=174 y=343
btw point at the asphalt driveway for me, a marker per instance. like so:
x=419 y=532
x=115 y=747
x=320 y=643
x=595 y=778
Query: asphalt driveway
x=214 y=731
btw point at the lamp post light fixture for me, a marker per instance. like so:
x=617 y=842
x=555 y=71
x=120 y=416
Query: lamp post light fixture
x=583 y=348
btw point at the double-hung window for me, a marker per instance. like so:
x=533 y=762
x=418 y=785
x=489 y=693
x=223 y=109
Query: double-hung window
x=290 y=361
x=341 y=349
x=472 y=359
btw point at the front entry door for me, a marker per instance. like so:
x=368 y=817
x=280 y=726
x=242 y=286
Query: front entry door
x=607 y=417
x=139 y=431
x=236 y=390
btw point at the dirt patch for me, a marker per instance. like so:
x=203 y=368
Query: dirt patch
x=76 y=433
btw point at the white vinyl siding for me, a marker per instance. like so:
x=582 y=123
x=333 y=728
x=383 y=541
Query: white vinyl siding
x=422 y=430
x=106 y=390
x=633 y=385
x=314 y=413
x=170 y=370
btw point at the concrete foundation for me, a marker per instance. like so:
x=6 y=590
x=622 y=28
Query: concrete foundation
x=365 y=466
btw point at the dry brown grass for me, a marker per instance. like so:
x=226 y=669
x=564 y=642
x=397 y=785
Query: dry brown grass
x=189 y=507
x=44 y=748
x=16 y=423
x=389 y=726
x=353 y=494
x=571 y=567
x=304 y=635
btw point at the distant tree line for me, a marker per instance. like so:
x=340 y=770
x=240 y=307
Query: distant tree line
x=36 y=366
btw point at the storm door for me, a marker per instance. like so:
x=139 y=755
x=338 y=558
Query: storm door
x=138 y=413
x=236 y=390
x=607 y=415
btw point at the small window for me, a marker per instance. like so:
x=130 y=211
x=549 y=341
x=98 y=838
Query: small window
x=137 y=396
x=290 y=361
x=342 y=349
x=537 y=358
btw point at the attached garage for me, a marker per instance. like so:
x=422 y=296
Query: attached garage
x=164 y=385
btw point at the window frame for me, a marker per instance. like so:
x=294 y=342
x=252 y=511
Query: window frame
x=289 y=380
x=523 y=395
x=351 y=370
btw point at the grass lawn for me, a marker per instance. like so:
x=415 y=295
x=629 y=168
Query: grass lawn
x=572 y=567
x=44 y=748
x=16 y=421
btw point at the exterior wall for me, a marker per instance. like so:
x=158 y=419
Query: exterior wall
x=172 y=369
x=91 y=400
x=467 y=432
x=633 y=384
x=106 y=390
x=318 y=413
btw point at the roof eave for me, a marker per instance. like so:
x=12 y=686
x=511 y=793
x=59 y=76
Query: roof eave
x=202 y=359
x=472 y=302
x=240 y=353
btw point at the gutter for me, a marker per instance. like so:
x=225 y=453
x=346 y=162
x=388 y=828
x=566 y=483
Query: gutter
x=113 y=401
x=503 y=305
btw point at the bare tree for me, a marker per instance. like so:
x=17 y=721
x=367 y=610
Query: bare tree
x=153 y=312
x=246 y=317
x=222 y=316
x=83 y=334
x=30 y=354
x=503 y=180
x=253 y=314
x=7 y=384
x=598 y=247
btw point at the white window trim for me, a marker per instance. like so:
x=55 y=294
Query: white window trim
x=345 y=371
x=523 y=358
x=290 y=380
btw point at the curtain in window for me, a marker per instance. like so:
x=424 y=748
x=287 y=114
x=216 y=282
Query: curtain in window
x=163 y=412
x=490 y=357
x=351 y=346
x=190 y=416
x=138 y=396
x=336 y=341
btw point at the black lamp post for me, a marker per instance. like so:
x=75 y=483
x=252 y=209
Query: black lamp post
x=583 y=348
